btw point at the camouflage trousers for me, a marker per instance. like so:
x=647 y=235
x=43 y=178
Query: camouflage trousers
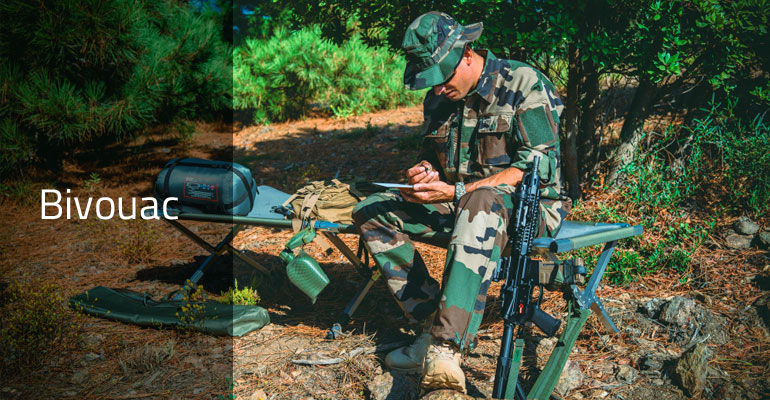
x=478 y=229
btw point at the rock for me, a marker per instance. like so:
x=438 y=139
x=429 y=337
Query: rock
x=80 y=376
x=763 y=239
x=258 y=395
x=679 y=311
x=653 y=362
x=94 y=340
x=444 y=394
x=700 y=296
x=736 y=241
x=651 y=308
x=691 y=369
x=571 y=378
x=544 y=349
x=393 y=386
x=762 y=305
x=626 y=374
x=745 y=226
x=598 y=394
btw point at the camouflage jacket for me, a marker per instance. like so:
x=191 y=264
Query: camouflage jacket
x=511 y=116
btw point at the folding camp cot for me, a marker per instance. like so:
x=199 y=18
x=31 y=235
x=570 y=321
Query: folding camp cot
x=571 y=236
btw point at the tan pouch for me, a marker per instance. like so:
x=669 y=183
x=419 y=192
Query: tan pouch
x=329 y=200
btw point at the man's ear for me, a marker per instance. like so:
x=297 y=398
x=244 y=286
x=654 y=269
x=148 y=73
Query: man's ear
x=468 y=55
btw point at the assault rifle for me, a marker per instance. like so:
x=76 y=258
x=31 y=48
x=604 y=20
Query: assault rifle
x=521 y=277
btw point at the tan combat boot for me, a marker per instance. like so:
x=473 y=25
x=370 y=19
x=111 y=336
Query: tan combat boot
x=442 y=368
x=408 y=359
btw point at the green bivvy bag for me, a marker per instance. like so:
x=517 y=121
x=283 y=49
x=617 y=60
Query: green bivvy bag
x=139 y=309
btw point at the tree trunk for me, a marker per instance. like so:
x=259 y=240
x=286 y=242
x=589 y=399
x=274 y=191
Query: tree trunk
x=632 y=131
x=587 y=145
x=569 y=155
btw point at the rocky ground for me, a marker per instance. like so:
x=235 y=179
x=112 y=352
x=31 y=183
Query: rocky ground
x=705 y=338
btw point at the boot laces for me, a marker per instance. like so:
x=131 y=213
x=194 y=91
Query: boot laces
x=443 y=351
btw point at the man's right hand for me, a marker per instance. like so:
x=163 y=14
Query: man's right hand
x=422 y=172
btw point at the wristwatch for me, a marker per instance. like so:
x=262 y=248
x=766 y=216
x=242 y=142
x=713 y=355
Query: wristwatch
x=459 y=191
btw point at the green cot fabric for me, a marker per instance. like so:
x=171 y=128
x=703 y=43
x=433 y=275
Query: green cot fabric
x=135 y=308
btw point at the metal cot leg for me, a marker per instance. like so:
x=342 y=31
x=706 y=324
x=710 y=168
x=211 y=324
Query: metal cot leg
x=215 y=251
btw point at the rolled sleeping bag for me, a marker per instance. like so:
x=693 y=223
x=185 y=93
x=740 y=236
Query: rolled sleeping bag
x=206 y=186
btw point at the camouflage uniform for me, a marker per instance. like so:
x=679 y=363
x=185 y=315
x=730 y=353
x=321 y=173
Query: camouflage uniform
x=510 y=117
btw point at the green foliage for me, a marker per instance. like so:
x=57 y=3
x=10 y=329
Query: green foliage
x=35 y=327
x=279 y=78
x=739 y=150
x=657 y=180
x=79 y=72
x=720 y=153
x=20 y=191
x=246 y=295
x=721 y=149
x=668 y=244
x=92 y=182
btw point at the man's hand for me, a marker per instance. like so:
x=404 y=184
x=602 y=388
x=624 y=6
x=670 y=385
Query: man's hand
x=426 y=193
x=422 y=172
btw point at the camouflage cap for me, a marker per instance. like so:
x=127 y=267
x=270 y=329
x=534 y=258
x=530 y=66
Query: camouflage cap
x=434 y=44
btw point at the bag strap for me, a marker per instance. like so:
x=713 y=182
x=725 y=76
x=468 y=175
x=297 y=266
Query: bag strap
x=307 y=205
x=170 y=167
x=304 y=214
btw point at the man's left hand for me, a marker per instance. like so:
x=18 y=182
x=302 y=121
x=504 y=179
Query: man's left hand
x=426 y=193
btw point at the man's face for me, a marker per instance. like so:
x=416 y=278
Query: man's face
x=459 y=83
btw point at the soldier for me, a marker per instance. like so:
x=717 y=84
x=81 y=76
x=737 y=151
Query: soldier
x=485 y=121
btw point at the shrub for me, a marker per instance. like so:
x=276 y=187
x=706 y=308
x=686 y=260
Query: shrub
x=35 y=326
x=192 y=312
x=279 y=78
x=246 y=295
x=721 y=153
x=138 y=242
x=738 y=149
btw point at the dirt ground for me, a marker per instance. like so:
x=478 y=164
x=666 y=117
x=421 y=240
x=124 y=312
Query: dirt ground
x=120 y=361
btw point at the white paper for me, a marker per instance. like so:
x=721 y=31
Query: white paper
x=393 y=185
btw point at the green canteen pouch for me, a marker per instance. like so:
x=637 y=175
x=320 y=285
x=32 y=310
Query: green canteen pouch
x=305 y=273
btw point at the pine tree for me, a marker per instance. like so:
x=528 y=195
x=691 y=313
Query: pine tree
x=76 y=71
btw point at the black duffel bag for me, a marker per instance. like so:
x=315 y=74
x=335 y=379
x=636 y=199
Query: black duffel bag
x=205 y=186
